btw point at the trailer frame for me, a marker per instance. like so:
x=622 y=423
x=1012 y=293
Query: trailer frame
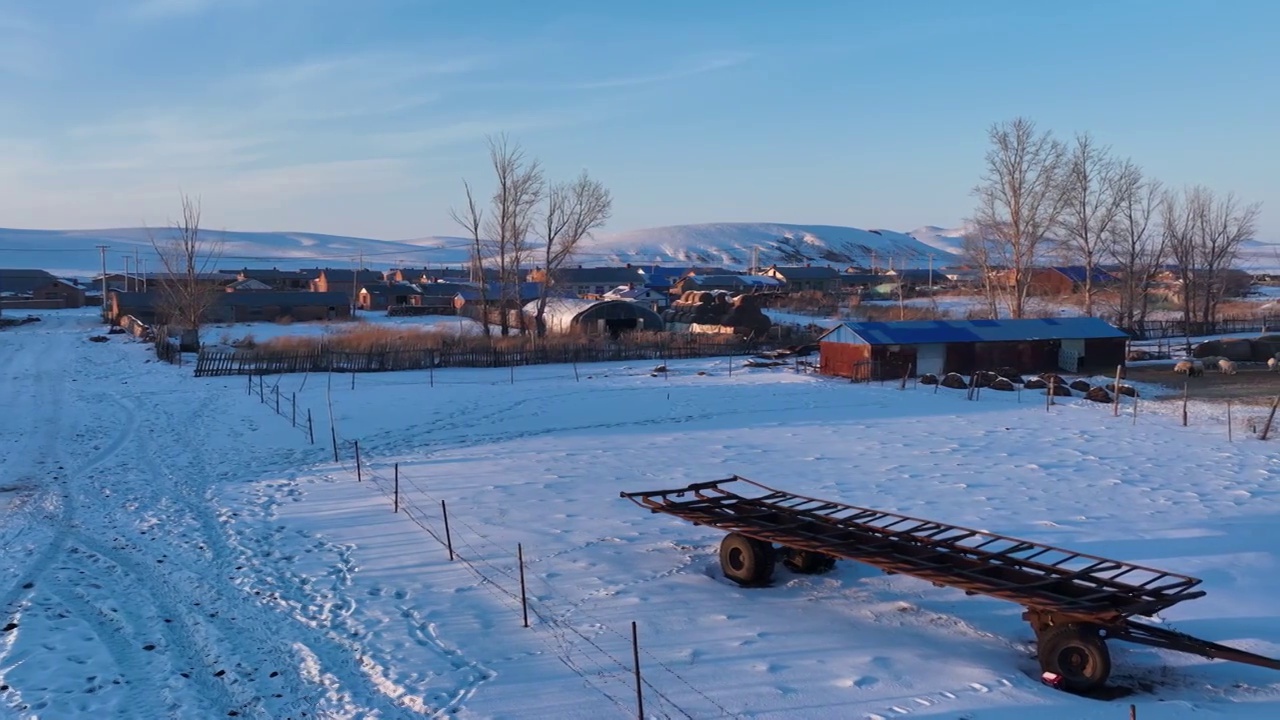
x=1073 y=601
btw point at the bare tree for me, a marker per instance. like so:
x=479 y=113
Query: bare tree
x=573 y=211
x=1204 y=233
x=1019 y=201
x=187 y=257
x=472 y=219
x=1090 y=205
x=977 y=253
x=1134 y=242
x=519 y=189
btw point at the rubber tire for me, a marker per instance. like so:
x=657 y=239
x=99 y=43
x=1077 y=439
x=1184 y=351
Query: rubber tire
x=746 y=560
x=808 y=562
x=1076 y=652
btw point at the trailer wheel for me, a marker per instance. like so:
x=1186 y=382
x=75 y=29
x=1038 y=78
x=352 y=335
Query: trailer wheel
x=746 y=561
x=1077 y=653
x=808 y=562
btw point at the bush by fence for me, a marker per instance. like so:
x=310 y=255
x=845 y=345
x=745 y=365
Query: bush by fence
x=470 y=354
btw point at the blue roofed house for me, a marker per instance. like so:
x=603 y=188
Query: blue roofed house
x=879 y=350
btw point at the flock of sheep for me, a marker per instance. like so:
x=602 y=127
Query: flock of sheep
x=1196 y=367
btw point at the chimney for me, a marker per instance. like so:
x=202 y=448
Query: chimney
x=628 y=266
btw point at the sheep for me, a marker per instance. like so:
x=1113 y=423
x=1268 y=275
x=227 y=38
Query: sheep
x=1272 y=364
x=1226 y=367
x=1190 y=368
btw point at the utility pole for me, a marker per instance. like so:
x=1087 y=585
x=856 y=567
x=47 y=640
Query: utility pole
x=127 y=275
x=137 y=269
x=930 y=272
x=102 y=252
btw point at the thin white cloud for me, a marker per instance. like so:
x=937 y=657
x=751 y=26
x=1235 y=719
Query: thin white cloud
x=696 y=66
x=25 y=51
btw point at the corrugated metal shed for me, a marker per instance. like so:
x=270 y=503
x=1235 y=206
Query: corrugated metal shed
x=972 y=331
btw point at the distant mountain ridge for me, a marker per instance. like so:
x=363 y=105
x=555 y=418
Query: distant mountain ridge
x=730 y=245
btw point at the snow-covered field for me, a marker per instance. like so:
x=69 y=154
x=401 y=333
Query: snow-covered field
x=174 y=548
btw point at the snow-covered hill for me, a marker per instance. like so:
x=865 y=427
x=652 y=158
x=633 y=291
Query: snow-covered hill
x=74 y=252
x=731 y=244
x=948 y=240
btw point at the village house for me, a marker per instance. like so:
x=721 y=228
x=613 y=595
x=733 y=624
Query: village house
x=437 y=298
x=655 y=299
x=344 y=281
x=233 y=307
x=1060 y=281
x=805 y=278
x=582 y=281
x=381 y=296
x=38 y=289
x=880 y=350
x=727 y=283
x=276 y=279
x=248 y=285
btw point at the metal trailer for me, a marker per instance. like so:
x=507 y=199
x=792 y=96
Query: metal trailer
x=1074 y=602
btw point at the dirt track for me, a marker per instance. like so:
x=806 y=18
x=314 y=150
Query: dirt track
x=1253 y=384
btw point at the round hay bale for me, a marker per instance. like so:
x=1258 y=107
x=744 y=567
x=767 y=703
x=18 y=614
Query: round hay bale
x=1139 y=355
x=1035 y=384
x=984 y=378
x=928 y=379
x=1060 y=391
x=1237 y=349
x=954 y=381
x=1098 y=395
x=1206 y=349
x=1129 y=390
x=1010 y=374
x=1080 y=386
x=1003 y=385
x=706 y=297
x=1051 y=378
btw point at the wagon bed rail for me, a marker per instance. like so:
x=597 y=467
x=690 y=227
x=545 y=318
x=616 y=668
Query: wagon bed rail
x=1037 y=576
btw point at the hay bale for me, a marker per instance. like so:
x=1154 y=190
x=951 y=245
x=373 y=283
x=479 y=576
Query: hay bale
x=928 y=379
x=1080 y=385
x=954 y=381
x=1208 y=348
x=660 y=369
x=1010 y=374
x=1060 y=390
x=1052 y=378
x=983 y=378
x=1098 y=395
x=1003 y=385
x=1128 y=390
x=1237 y=349
x=1139 y=356
x=1035 y=384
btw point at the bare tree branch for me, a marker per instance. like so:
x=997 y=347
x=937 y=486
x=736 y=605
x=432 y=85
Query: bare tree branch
x=187 y=257
x=573 y=211
x=1090 y=205
x=1134 y=242
x=472 y=218
x=1019 y=201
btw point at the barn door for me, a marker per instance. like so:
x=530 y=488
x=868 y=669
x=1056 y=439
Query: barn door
x=930 y=359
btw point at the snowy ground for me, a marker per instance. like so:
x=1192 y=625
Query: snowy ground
x=174 y=548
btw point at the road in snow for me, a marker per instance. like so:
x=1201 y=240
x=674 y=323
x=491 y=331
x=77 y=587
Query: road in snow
x=173 y=548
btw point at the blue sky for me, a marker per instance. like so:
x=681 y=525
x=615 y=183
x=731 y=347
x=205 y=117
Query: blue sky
x=363 y=117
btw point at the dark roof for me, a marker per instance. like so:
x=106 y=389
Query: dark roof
x=864 y=279
x=24 y=281
x=914 y=276
x=804 y=272
x=528 y=292
x=612 y=276
x=1078 y=273
x=443 y=289
x=265 y=298
x=268 y=274
x=927 y=332
x=393 y=289
x=346 y=276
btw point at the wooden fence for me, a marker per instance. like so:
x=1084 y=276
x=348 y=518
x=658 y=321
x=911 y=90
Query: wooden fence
x=212 y=363
x=1165 y=329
